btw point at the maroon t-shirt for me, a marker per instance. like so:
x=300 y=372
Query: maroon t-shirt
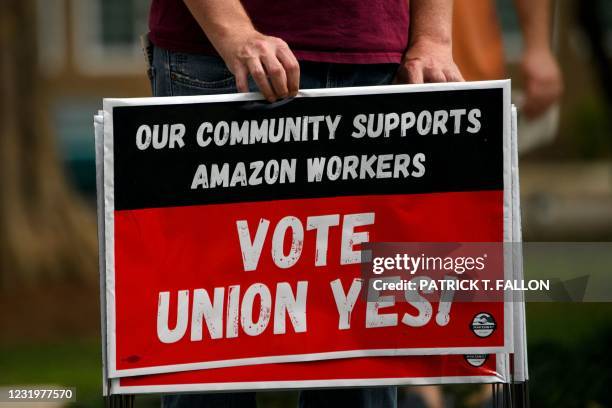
x=340 y=31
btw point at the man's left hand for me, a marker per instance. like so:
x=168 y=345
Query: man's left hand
x=426 y=62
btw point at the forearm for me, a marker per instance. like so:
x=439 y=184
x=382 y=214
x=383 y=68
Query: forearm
x=542 y=77
x=429 y=56
x=247 y=52
x=221 y=20
x=535 y=19
x=431 y=20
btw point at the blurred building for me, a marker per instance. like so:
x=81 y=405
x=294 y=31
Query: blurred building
x=87 y=50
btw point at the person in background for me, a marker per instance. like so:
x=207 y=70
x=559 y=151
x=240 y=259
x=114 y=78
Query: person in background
x=479 y=53
x=278 y=47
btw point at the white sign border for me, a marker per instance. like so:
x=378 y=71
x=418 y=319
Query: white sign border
x=117 y=388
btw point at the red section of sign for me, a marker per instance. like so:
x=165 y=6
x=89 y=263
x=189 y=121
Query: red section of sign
x=197 y=247
x=413 y=367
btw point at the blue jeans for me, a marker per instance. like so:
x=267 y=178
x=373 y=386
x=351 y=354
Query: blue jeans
x=180 y=74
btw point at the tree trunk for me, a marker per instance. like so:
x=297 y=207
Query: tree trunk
x=47 y=234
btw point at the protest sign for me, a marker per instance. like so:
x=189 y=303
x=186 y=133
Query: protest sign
x=232 y=229
x=417 y=370
x=414 y=370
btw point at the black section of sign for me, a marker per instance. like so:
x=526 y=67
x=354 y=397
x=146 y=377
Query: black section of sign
x=454 y=162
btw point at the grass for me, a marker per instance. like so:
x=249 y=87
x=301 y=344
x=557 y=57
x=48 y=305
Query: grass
x=71 y=364
x=77 y=362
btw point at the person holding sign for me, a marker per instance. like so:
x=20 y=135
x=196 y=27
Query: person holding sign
x=224 y=46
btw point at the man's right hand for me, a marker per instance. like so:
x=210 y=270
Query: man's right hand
x=245 y=50
x=267 y=59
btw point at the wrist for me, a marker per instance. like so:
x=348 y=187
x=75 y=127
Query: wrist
x=233 y=40
x=537 y=56
x=427 y=40
x=537 y=45
x=223 y=34
x=427 y=46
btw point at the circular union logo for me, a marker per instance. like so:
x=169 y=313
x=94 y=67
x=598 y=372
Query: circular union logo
x=476 y=360
x=483 y=325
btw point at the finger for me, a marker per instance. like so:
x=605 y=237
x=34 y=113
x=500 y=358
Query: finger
x=533 y=109
x=453 y=75
x=535 y=106
x=414 y=73
x=292 y=68
x=276 y=75
x=242 y=81
x=538 y=99
x=433 y=75
x=261 y=79
x=400 y=76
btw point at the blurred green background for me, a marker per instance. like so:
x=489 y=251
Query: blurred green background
x=570 y=362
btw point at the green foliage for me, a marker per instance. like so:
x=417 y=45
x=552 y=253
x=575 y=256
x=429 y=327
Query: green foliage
x=589 y=127
x=577 y=375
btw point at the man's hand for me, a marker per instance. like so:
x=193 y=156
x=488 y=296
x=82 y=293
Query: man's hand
x=247 y=51
x=542 y=77
x=429 y=57
x=543 y=82
x=269 y=61
x=428 y=61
